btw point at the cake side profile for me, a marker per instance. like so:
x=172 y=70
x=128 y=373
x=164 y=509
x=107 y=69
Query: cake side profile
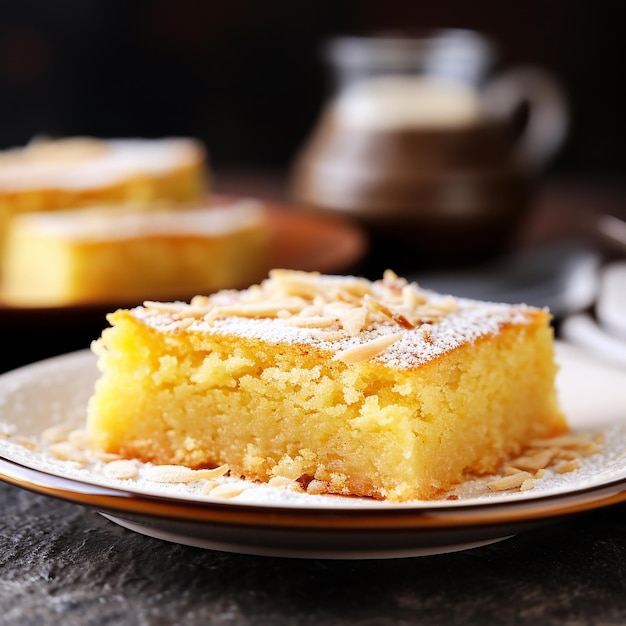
x=128 y=254
x=348 y=386
x=58 y=174
x=72 y=173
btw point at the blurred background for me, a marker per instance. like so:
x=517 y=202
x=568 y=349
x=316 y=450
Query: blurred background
x=246 y=76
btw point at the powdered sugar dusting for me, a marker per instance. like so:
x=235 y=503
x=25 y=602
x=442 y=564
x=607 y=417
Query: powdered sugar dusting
x=100 y=162
x=108 y=223
x=430 y=324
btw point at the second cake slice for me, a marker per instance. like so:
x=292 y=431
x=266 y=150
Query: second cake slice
x=123 y=254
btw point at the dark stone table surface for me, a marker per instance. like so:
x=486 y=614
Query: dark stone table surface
x=64 y=564
x=61 y=563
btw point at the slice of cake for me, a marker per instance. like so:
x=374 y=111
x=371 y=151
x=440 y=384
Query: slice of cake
x=51 y=174
x=75 y=172
x=348 y=386
x=113 y=254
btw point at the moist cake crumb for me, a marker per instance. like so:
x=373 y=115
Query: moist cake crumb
x=343 y=385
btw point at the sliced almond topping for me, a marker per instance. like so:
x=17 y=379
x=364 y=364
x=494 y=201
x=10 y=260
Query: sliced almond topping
x=353 y=320
x=355 y=302
x=122 y=469
x=65 y=451
x=313 y=310
x=186 y=310
x=562 y=454
x=181 y=474
x=411 y=298
x=568 y=466
x=200 y=302
x=509 y=470
x=562 y=441
x=512 y=481
x=392 y=281
x=365 y=351
x=208 y=487
x=323 y=321
x=262 y=309
x=283 y=275
x=227 y=491
x=186 y=323
x=376 y=306
x=79 y=438
x=535 y=461
x=55 y=434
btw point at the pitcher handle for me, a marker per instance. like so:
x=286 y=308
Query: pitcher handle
x=547 y=118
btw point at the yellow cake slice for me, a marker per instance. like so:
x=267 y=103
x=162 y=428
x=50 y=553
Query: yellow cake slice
x=349 y=386
x=75 y=172
x=113 y=254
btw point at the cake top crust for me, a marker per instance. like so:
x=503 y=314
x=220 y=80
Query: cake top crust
x=85 y=162
x=390 y=321
x=106 y=223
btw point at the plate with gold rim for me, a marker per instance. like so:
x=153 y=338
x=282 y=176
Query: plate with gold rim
x=274 y=521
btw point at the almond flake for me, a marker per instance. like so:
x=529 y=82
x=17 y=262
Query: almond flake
x=122 y=469
x=366 y=351
x=513 y=481
x=181 y=474
x=227 y=491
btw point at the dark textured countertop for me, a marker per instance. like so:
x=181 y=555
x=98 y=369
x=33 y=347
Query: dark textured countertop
x=64 y=564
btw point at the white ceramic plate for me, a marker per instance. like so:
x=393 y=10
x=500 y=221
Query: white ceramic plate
x=273 y=521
